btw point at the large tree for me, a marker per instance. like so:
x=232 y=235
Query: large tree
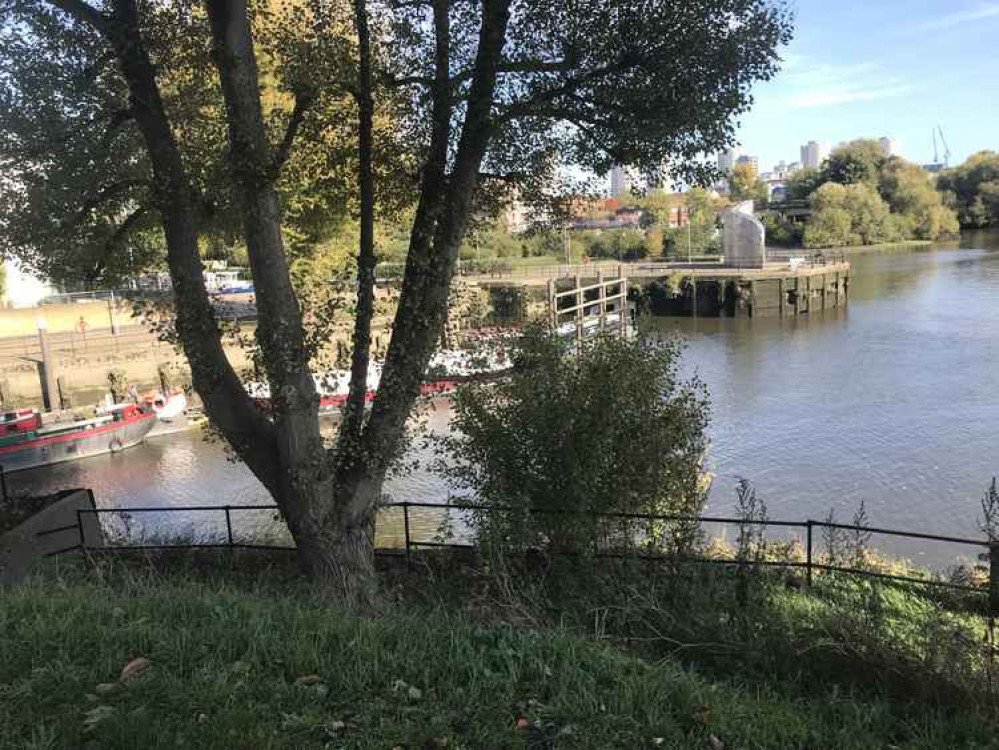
x=973 y=189
x=486 y=93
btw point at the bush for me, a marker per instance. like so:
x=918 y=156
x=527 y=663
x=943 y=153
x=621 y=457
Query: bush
x=782 y=232
x=612 y=430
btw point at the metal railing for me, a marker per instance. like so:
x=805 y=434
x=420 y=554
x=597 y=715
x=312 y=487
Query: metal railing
x=411 y=533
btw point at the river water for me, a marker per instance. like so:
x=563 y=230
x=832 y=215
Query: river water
x=892 y=401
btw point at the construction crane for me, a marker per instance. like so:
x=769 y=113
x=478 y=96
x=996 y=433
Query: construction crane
x=943 y=141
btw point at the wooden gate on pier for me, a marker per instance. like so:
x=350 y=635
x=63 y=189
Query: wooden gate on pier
x=589 y=307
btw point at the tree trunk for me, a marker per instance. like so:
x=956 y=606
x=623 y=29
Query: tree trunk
x=353 y=413
x=430 y=266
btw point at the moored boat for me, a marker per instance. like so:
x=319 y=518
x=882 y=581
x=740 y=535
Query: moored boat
x=447 y=370
x=26 y=442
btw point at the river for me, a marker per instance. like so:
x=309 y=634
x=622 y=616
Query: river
x=892 y=401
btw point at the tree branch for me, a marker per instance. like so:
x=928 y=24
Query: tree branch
x=106 y=193
x=84 y=13
x=423 y=303
x=507 y=68
x=114 y=241
x=353 y=413
x=226 y=401
x=302 y=103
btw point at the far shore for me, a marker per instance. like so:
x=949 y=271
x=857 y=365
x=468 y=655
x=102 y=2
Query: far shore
x=854 y=249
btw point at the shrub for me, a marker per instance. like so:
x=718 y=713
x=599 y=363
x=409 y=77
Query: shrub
x=610 y=430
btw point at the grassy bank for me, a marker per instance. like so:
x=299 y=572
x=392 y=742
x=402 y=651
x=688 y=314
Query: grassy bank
x=460 y=660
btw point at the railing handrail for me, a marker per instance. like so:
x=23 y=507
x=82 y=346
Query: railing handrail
x=730 y=520
x=809 y=565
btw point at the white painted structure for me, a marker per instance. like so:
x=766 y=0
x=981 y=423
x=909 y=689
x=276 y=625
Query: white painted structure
x=745 y=237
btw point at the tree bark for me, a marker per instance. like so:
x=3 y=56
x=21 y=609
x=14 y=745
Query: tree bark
x=441 y=218
x=225 y=399
x=353 y=415
x=331 y=550
x=429 y=270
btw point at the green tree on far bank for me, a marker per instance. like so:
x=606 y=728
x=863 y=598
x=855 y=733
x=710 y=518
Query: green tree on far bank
x=701 y=235
x=745 y=184
x=801 y=184
x=973 y=189
x=848 y=215
x=867 y=198
x=857 y=161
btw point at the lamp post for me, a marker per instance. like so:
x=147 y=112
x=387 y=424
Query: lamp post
x=689 y=259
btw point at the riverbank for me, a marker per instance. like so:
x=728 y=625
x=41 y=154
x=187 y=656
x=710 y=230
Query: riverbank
x=230 y=655
x=883 y=247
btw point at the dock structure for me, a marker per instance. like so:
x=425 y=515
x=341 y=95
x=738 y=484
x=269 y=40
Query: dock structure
x=793 y=286
x=589 y=307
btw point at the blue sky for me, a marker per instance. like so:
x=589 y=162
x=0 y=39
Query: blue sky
x=882 y=67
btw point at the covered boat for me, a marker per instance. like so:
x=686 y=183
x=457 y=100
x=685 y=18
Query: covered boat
x=26 y=442
x=448 y=369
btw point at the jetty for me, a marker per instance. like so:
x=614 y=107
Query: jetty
x=747 y=280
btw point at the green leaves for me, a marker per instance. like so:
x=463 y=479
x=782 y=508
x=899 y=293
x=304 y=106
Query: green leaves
x=613 y=430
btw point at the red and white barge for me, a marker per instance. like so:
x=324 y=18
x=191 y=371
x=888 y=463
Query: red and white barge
x=27 y=443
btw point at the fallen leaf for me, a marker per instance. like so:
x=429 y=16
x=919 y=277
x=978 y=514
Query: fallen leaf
x=105 y=687
x=658 y=740
x=202 y=718
x=714 y=743
x=135 y=669
x=523 y=723
x=308 y=679
x=414 y=693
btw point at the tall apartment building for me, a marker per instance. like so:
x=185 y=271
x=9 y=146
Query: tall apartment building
x=813 y=154
x=727 y=160
x=889 y=146
x=621 y=180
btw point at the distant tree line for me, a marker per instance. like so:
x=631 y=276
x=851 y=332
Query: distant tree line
x=860 y=196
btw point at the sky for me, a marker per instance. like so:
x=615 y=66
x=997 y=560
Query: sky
x=871 y=68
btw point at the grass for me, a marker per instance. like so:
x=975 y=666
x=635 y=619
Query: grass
x=457 y=659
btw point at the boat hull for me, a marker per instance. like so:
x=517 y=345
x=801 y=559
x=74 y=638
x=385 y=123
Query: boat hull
x=109 y=438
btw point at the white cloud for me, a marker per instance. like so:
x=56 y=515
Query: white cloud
x=807 y=84
x=831 y=97
x=980 y=12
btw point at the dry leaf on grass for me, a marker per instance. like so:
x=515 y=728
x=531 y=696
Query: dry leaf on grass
x=135 y=669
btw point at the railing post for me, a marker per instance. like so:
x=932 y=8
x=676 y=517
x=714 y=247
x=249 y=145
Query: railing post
x=228 y=524
x=405 y=521
x=3 y=483
x=808 y=552
x=79 y=528
x=993 y=578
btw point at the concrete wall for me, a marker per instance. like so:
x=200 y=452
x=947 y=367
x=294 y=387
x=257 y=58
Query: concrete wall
x=23 y=321
x=48 y=531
